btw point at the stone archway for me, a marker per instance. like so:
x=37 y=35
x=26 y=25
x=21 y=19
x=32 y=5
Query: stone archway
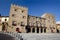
x=17 y=30
x=37 y=29
x=44 y=29
x=41 y=29
x=28 y=29
x=33 y=29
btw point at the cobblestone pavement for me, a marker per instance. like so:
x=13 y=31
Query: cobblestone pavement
x=35 y=36
x=6 y=37
x=41 y=36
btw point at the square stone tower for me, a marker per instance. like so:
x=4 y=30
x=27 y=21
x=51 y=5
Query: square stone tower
x=18 y=18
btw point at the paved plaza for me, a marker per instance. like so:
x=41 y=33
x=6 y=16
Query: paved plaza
x=42 y=36
x=35 y=36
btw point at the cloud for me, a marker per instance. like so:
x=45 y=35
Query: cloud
x=58 y=22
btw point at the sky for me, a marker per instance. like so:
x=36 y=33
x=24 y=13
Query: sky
x=35 y=7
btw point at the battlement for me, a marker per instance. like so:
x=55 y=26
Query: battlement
x=17 y=6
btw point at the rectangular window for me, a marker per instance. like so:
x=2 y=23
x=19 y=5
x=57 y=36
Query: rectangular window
x=14 y=23
x=13 y=15
x=24 y=17
x=22 y=24
x=22 y=11
x=15 y=9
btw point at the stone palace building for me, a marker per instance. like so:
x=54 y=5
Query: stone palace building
x=20 y=21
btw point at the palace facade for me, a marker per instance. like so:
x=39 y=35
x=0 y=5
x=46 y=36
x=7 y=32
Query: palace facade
x=20 y=21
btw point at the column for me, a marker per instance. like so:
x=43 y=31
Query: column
x=39 y=30
x=49 y=30
x=43 y=30
x=31 y=29
x=35 y=30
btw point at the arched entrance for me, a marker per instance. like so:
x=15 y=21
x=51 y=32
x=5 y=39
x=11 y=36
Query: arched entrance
x=37 y=29
x=44 y=29
x=28 y=29
x=41 y=29
x=18 y=30
x=33 y=29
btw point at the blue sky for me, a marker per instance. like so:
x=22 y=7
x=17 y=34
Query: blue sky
x=35 y=7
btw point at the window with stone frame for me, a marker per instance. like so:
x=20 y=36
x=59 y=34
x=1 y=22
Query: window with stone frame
x=14 y=23
x=29 y=23
x=15 y=9
x=32 y=24
x=37 y=22
x=22 y=11
x=53 y=27
x=33 y=18
x=48 y=20
x=24 y=16
x=13 y=15
x=22 y=24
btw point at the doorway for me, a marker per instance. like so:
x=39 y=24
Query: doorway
x=41 y=29
x=33 y=30
x=44 y=29
x=37 y=29
x=28 y=29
